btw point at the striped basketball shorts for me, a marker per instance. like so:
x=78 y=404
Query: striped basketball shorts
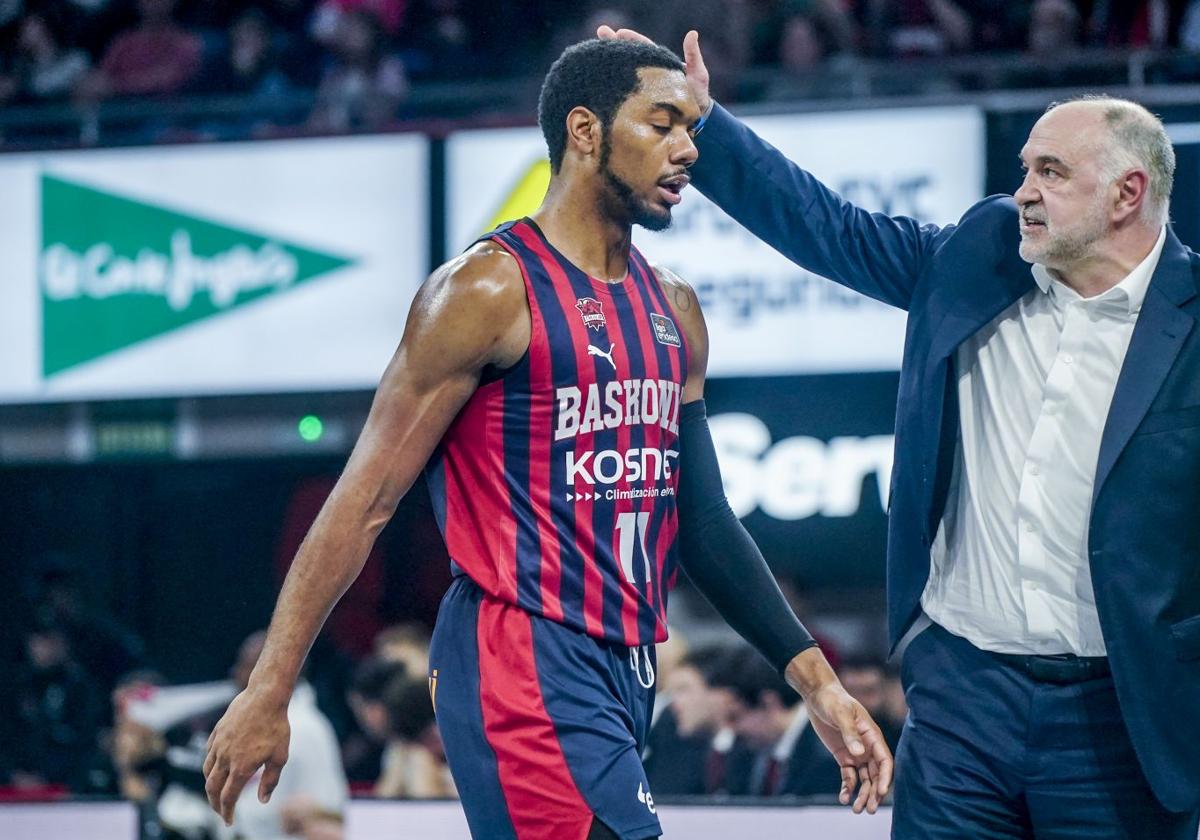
x=543 y=726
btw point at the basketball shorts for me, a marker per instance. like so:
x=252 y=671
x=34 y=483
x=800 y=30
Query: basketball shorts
x=543 y=726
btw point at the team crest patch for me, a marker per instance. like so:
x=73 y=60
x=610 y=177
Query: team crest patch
x=664 y=330
x=593 y=313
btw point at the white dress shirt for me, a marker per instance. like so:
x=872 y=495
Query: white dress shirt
x=1009 y=565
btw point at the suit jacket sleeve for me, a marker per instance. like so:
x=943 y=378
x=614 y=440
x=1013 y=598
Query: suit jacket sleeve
x=804 y=220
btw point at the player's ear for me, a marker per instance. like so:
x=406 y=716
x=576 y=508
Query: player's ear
x=583 y=131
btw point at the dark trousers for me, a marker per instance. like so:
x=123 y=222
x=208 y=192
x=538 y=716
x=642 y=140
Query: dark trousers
x=987 y=752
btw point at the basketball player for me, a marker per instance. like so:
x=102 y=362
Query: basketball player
x=551 y=383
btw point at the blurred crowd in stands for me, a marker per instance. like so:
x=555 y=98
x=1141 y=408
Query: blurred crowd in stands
x=86 y=713
x=343 y=65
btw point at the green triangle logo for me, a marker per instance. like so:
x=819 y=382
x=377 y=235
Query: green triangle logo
x=114 y=271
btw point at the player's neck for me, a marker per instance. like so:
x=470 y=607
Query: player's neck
x=574 y=222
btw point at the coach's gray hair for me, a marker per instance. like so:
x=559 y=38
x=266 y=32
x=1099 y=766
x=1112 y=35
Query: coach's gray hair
x=1140 y=141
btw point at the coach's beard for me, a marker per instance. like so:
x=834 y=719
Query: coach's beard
x=620 y=202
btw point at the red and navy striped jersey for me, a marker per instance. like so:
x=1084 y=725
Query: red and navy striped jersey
x=555 y=486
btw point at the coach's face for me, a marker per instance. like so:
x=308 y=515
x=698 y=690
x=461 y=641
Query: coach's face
x=648 y=148
x=1066 y=199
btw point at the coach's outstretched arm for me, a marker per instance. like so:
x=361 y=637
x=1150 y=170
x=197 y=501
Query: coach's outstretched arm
x=725 y=564
x=471 y=313
x=792 y=211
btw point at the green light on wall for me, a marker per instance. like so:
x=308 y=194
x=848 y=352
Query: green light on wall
x=310 y=428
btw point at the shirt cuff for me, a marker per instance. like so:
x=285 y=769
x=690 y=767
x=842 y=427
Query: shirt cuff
x=712 y=103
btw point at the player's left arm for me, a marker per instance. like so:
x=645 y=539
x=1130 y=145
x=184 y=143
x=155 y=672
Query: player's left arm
x=726 y=566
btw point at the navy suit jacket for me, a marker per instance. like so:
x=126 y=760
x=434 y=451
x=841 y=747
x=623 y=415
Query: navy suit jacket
x=1144 y=532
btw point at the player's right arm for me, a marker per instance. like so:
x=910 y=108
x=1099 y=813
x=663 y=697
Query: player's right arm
x=470 y=314
x=793 y=212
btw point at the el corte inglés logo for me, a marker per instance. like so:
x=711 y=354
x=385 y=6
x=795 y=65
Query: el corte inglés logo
x=114 y=271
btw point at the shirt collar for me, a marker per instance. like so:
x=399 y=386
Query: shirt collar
x=787 y=742
x=1130 y=292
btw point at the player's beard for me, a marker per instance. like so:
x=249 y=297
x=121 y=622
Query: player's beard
x=620 y=201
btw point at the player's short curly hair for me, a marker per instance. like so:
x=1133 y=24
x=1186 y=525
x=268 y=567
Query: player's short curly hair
x=599 y=75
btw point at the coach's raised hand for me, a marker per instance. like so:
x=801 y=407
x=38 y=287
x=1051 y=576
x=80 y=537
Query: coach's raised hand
x=695 y=71
x=253 y=733
x=846 y=729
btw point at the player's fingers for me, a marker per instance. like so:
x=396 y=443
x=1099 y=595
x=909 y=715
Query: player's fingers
x=633 y=35
x=864 y=790
x=231 y=791
x=881 y=761
x=693 y=59
x=270 y=778
x=214 y=781
x=882 y=756
x=605 y=32
x=271 y=772
x=849 y=779
x=210 y=756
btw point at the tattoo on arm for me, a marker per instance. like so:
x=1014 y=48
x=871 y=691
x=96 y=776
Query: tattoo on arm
x=682 y=299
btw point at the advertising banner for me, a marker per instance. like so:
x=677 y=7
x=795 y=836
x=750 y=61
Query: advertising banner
x=765 y=314
x=215 y=269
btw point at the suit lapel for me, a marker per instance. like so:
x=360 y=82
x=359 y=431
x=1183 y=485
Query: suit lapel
x=1157 y=337
x=978 y=303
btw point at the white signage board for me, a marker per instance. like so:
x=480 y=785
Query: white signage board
x=390 y=820
x=210 y=269
x=765 y=315
x=69 y=821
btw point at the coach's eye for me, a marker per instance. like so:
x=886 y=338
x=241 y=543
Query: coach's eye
x=663 y=129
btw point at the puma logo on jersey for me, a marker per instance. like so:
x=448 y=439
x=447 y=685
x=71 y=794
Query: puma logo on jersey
x=646 y=799
x=593 y=350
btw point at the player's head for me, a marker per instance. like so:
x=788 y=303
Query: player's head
x=621 y=112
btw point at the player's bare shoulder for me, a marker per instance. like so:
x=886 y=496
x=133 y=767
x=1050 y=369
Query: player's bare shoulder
x=685 y=305
x=485 y=272
x=478 y=297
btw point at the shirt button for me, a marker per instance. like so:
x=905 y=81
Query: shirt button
x=1033 y=586
x=1033 y=470
x=1030 y=527
x=1067 y=358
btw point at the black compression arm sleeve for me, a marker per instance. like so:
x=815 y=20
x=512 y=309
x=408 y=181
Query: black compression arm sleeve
x=721 y=558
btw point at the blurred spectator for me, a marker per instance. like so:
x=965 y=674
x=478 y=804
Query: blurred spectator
x=362 y=752
x=687 y=746
x=801 y=49
x=866 y=679
x=414 y=762
x=802 y=53
x=102 y=645
x=442 y=41
x=407 y=644
x=156 y=57
x=1055 y=26
x=1143 y=24
x=161 y=742
x=781 y=753
x=249 y=65
x=365 y=85
x=136 y=750
x=329 y=15
x=43 y=68
x=57 y=710
x=911 y=28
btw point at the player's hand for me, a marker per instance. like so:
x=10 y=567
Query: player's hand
x=845 y=729
x=253 y=733
x=694 y=69
x=853 y=738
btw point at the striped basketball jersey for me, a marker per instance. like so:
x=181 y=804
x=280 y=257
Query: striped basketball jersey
x=555 y=486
